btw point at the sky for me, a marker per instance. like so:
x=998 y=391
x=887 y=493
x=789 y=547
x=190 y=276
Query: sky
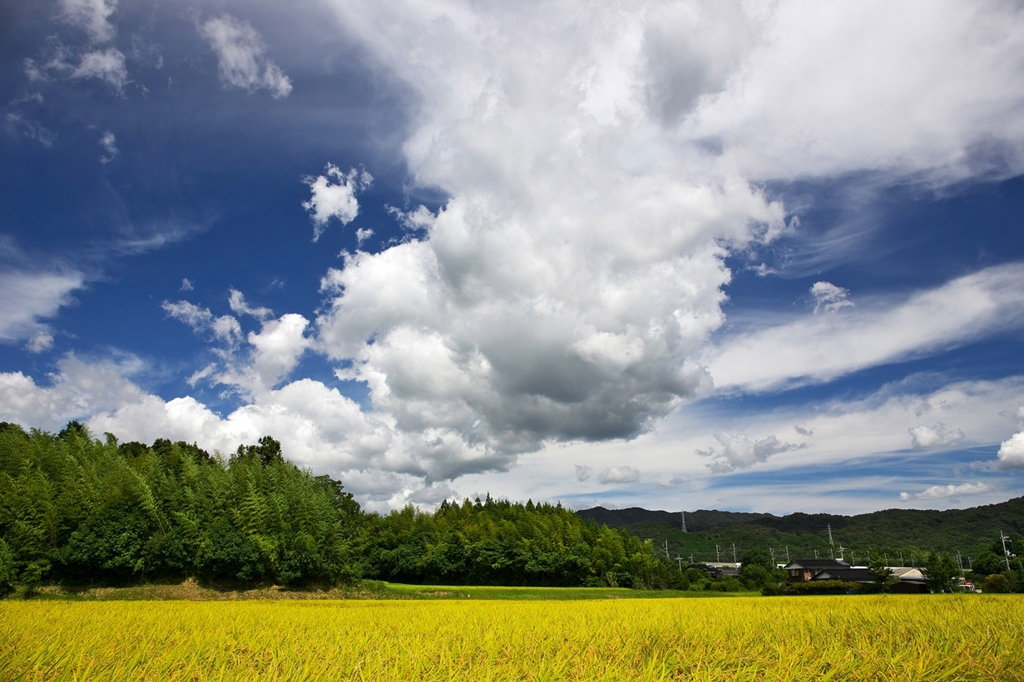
x=754 y=255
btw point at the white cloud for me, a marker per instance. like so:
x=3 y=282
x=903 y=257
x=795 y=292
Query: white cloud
x=939 y=492
x=240 y=53
x=78 y=390
x=822 y=347
x=109 y=144
x=541 y=201
x=270 y=356
x=362 y=234
x=224 y=328
x=106 y=65
x=583 y=473
x=40 y=341
x=1011 y=453
x=30 y=297
x=935 y=436
x=619 y=474
x=739 y=452
x=236 y=300
x=925 y=90
x=334 y=196
x=828 y=298
x=186 y=284
x=597 y=159
x=92 y=16
x=317 y=426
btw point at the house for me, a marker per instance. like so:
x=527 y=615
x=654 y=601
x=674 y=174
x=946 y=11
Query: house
x=804 y=570
x=711 y=569
x=848 y=574
x=911 y=581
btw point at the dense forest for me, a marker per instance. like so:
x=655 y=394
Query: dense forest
x=78 y=510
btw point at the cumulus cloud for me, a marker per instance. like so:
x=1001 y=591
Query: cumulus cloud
x=77 y=390
x=903 y=89
x=566 y=288
x=803 y=430
x=334 y=196
x=617 y=475
x=822 y=347
x=40 y=341
x=739 y=452
x=268 y=358
x=362 y=234
x=1011 y=453
x=225 y=327
x=583 y=473
x=236 y=301
x=240 y=57
x=935 y=436
x=30 y=297
x=828 y=298
x=940 y=492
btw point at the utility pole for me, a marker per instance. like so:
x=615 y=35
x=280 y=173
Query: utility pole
x=772 y=552
x=683 y=514
x=734 y=552
x=666 y=550
x=853 y=558
x=679 y=560
x=884 y=554
x=960 y=563
x=1006 y=555
x=841 y=550
x=901 y=558
x=717 y=560
x=787 y=554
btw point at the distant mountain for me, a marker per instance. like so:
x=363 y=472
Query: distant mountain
x=909 y=532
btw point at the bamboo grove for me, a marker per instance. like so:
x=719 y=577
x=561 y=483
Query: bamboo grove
x=78 y=510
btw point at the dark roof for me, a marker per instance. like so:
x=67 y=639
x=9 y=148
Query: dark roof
x=816 y=564
x=848 y=575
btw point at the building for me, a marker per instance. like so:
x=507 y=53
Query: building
x=804 y=570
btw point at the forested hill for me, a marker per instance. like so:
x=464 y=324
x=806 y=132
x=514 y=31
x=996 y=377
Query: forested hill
x=78 y=510
x=892 y=530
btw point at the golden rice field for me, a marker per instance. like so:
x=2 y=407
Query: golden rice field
x=939 y=637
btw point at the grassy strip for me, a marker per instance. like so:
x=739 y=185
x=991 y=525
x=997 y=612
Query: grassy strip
x=190 y=590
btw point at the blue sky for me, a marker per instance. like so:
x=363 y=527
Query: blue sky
x=738 y=255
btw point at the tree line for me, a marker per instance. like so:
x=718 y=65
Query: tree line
x=78 y=510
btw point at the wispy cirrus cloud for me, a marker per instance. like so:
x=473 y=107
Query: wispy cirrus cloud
x=822 y=347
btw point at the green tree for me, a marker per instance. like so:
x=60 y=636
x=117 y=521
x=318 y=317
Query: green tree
x=988 y=563
x=881 y=574
x=940 y=572
x=998 y=583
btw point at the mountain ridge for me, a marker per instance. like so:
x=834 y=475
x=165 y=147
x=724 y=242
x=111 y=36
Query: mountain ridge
x=897 y=530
